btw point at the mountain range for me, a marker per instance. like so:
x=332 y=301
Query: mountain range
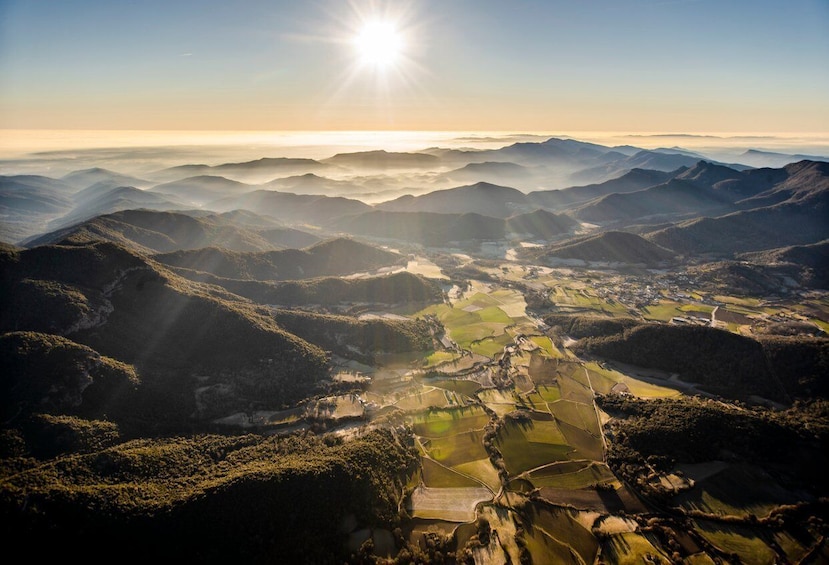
x=692 y=206
x=189 y=352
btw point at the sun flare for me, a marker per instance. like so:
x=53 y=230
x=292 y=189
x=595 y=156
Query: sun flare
x=379 y=44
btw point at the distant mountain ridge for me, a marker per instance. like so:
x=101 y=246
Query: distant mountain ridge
x=328 y=258
x=155 y=231
x=87 y=177
x=708 y=189
x=293 y=208
x=382 y=159
x=202 y=189
x=255 y=170
x=29 y=202
x=794 y=211
x=635 y=179
x=446 y=229
x=481 y=198
x=757 y=158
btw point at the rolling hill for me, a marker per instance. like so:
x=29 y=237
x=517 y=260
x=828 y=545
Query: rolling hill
x=633 y=180
x=100 y=199
x=790 y=223
x=795 y=182
x=768 y=273
x=328 y=258
x=539 y=224
x=309 y=183
x=500 y=172
x=87 y=177
x=292 y=208
x=28 y=203
x=722 y=362
x=210 y=498
x=154 y=231
x=480 y=198
x=426 y=228
x=814 y=256
x=703 y=188
x=50 y=374
x=613 y=247
x=345 y=334
x=202 y=189
x=394 y=289
x=131 y=309
x=440 y=230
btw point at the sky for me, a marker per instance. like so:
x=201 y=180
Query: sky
x=522 y=65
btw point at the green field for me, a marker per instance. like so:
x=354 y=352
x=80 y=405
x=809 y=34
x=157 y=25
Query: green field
x=526 y=445
x=429 y=397
x=574 y=475
x=664 y=311
x=482 y=470
x=502 y=402
x=697 y=307
x=628 y=549
x=546 y=345
x=495 y=314
x=461 y=386
x=738 y=490
x=545 y=549
x=603 y=381
x=586 y=445
x=794 y=546
x=549 y=393
x=465 y=334
x=584 y=298
x=733 y=538
x=450 y=421
x=457 y=449
x=562 y=526
x=738 y=301
x=574 y=391
x=436 y=475
x=533 y=401
x=482 y=331
x=576 y=414
x=491 y=347
x=438 y=357
x=348 y=406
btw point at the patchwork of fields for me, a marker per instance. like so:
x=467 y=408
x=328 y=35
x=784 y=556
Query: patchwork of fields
x=512 y=438
x=512 y=445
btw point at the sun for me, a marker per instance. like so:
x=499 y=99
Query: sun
x=379 y=44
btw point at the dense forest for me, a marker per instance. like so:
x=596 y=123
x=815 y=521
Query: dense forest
x=205 y=499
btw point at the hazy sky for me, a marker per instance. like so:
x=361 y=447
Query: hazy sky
x=611 y=65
